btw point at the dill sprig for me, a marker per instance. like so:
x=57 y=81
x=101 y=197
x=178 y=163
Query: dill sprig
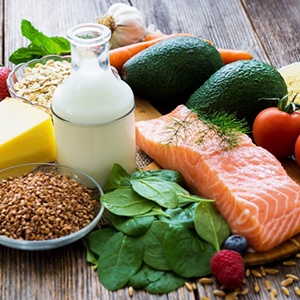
x=227 y=127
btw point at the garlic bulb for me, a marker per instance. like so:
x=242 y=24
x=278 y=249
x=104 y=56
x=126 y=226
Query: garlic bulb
x=126 y=24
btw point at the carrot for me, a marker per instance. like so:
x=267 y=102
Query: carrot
x=154 y=35
x=119 y=56
x=230 y=55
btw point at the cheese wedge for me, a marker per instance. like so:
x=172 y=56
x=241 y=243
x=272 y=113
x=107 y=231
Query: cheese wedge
x=26 y=134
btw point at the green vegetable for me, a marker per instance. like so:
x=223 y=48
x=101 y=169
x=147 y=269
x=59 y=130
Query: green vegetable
x=40 y=45
x=152 y=241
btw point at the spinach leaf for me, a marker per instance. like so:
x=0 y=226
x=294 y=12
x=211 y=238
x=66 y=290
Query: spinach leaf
x=210 y=225
x=181 y=216
x=145 y=276
x=117 y=178
x=96 y=239
x=135 y=226
x=167 y=283
x=92 y=258
x=121 y=257
x=187 y=255
x=163 y=174
x=153 y=244
x=155 y=211
x=160 y=191
x=126 y=202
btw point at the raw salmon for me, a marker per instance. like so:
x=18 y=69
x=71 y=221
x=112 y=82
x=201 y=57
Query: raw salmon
x=251 y=189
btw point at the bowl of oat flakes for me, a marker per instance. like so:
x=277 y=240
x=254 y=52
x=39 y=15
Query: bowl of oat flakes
x=46 y=206
x=36 y=80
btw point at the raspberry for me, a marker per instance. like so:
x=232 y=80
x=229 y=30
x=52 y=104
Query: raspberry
x=4 y=72
x=227 y=266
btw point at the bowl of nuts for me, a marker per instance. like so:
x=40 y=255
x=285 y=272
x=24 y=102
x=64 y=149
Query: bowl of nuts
x=46 y=206
x=36 y=80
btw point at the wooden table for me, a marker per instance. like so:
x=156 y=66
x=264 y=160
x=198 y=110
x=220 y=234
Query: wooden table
x=269 y=29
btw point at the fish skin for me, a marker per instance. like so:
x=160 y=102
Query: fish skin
x=251 y=189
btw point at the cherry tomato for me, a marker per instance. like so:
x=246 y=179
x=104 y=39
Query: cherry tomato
x=276 y=131
x=297 y=150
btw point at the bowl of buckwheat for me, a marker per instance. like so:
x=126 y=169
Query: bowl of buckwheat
x=36 y=80
x=46 y=206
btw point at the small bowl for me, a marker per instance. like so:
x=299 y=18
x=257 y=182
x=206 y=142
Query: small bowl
x=77 y=176
x=17 y=74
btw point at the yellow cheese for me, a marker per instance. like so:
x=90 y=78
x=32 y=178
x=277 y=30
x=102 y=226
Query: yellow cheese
x=26 y=134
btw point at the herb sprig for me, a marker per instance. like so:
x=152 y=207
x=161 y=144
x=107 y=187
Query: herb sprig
x=227 y=127
x=40 y=45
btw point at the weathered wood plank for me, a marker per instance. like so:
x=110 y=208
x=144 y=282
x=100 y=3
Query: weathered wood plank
x=277 y=24
x=225 y=23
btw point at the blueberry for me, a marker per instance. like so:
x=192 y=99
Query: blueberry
x=237 y=243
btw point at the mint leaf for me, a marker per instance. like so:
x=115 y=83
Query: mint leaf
x=40 y=46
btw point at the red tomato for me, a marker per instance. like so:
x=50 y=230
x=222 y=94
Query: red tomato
x=276 y=131
x=297 y=150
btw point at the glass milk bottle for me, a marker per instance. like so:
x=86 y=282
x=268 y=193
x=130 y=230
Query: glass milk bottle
x=93 y=110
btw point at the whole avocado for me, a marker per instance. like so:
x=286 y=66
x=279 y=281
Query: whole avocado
x=236 y=89
x=168 y=72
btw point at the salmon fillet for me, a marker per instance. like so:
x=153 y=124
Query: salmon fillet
x=251 y=189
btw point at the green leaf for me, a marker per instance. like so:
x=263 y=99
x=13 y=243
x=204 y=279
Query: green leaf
x=23 y=54
x=181 y=216
x=163 y=174
x=121 y=257
x=187 y=255
x=126 y=202
x=167 y=283
x=63 y=44
x=96 y=239
x=144 y=276
x=160 y=191
x=117 y=178
x=135 y=226
x=92 y=258
x=153 y=243
x=210 y=225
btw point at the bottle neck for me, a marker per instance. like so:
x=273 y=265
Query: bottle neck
x=89 y=47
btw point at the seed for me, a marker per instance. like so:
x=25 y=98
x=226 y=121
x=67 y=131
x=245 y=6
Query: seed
x=268 y=285
x=262 y=271
x=232 y=296
x=247 y=273
x=188 y=286
x=295 y=242
x=285 y=290
x=286 y=282
x=256 y=287
x=130 y=291
x=206 y=280
x=289 y=263
x=219 y=293
x=271 y=271
x=204 y=298
x=294 y=277
x=297 y=255
x=297 y=290
x=256 y=273
x=245 y=291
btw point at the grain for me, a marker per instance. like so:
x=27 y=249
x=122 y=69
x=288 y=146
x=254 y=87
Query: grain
x=256 y=273
x=130 y=291
x=247 y=273
x=286 y=282
x=205 y=280
x=285 y=291
x=271 y=271
x=294 y=277
x=232 y=296
x=295 y=242
x=188 y=286
x=256 y=287
x=262 y=271
x=40 y=82
x=43 y=206
x=289 y=263
x=268 y=285
x=219 y=293
x=205 y=298
x=297 y=290
x=245 y=291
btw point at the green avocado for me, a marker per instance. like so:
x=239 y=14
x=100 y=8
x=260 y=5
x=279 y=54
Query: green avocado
x=168 y=72
x=236 y=89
